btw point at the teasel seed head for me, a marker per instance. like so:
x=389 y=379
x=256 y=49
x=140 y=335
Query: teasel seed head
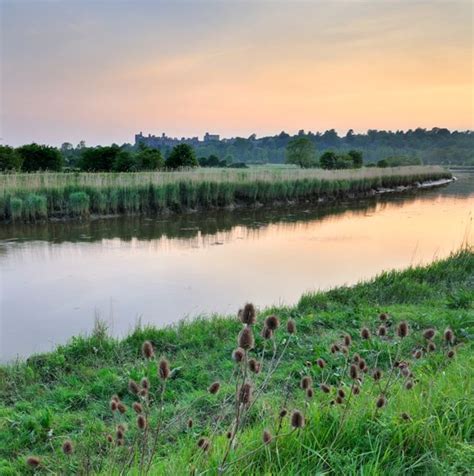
x=405 y=416
x=402 y=329
x=272 y=322
x=325 y=388
x=120 y=442
x=248 y=314
x=341 y=393
x=229 y=435
x=377 y=374
x=204 y=444
x=417 y=354
x=283 y=412
x=214 y=388
x=309 y=393
x=266 y=333
x=451 y=353
x=145 y=383
x=405 y=371
x=119 y=434
x=67 y=447
x=449 y=336
x=238 y=354
x=347 y=340
x=164 y=369
x=409 y=384
x=339 y=400
x=381 y=401
x=190 y=423
x=137 y=407
x=383 y=316
x=246 y=340
x=291 y=326
x=143 y=392
x=365 y=333
x=266 y=437
x=355 y=389
x=245 y=393
x=254 y=366
x=356 y=358
x=113 y=405
x=147 y=350
x=306 y=382
x=141 y=422
x=431 y=347
x=353 y=372
x=321 y=363
x=33 y=461
x=428 y=334
x=382 y=330
x=133 y=387
x=335 y=348
x=297 y=419
x=362 y=364
x=121 y=408
x=115 y=398
x=109 y=439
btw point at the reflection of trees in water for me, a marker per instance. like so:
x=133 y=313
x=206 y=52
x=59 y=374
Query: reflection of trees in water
x=215 y=227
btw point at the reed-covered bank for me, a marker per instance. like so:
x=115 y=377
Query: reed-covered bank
x=404 y=340
x=42 y=196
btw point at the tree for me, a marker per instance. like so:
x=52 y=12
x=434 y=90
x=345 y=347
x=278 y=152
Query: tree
x=149 y=159
x=40 y=157
x=10 y=159
x=382 y=163
x=125 y=162
x=99 y=159
x=328 y=160
x=301 y=151
x=357 y=158
x=182 y=155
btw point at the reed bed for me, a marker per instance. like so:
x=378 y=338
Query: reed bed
x=30 y=197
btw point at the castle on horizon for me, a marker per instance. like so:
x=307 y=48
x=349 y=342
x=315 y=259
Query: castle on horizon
x=164 y=141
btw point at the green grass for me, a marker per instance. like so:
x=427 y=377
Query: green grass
x=82 y=194
x=65 y=393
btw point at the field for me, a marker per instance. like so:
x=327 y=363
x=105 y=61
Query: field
x=414 y=417
x=41 y=196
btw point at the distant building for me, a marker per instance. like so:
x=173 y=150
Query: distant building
x=155 y=142
x=211 y=137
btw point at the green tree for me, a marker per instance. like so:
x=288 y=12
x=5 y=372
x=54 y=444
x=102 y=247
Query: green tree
x=382 y=163
x=149 y=159
x=328 y=160
x=125 y=162
x=99 y=159
x=357 y=158
x=182 y=155
x=40 y=157
x=301 y=151
x=10 y=159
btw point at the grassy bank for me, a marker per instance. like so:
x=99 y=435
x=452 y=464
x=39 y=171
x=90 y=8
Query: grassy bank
x=31 y=197
x=428 y=429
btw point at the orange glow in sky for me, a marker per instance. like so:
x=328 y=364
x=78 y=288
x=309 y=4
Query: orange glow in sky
x=101 y=71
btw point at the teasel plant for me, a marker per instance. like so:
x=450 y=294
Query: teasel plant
x=252 y=374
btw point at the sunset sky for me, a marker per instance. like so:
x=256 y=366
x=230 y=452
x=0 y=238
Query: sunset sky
x=103 y=70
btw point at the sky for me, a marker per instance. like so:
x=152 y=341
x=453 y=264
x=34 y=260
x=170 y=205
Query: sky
x=101 y=71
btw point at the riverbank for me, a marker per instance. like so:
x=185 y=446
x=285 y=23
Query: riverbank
x=65 y=394
x=49 y=196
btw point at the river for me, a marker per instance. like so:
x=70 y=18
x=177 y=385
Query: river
x=57 y=278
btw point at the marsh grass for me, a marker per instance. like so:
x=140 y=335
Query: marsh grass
x=81 y=194
x=64 y=395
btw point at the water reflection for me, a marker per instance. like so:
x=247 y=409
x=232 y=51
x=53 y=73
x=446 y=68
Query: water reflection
x=55 y=277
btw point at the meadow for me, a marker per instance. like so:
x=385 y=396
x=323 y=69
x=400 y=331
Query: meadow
x=371 y=379
x=41 y=196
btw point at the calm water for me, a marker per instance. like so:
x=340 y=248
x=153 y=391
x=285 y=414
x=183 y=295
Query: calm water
x=55 y=278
